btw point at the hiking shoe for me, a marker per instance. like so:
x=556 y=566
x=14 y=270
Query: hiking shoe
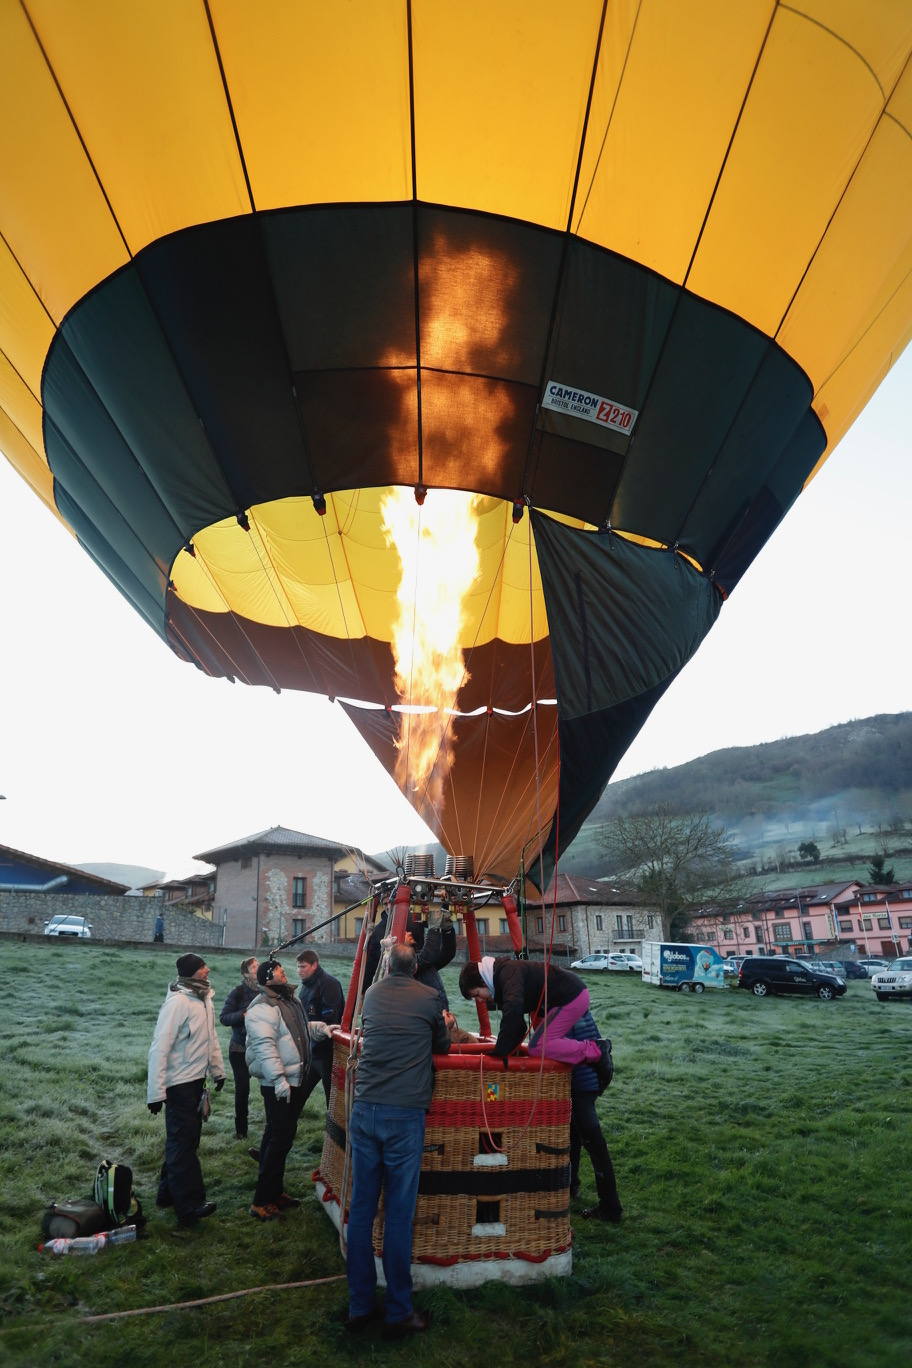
x=417 y=1321
x=255 y=1155
x=355 y=1324
x=269 y=1212
x=285 y=1202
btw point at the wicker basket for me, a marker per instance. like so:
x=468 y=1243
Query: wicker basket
x=495 y=1180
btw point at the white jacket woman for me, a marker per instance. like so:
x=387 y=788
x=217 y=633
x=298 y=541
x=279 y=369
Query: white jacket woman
x=273 y=1055
x=185 y=1046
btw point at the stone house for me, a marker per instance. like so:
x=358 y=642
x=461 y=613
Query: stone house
x=272 y=886
x=579 y=916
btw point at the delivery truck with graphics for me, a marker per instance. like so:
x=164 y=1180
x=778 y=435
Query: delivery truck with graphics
x=680 y=965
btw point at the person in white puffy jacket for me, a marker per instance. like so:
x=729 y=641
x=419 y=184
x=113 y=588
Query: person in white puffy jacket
x=185 y=1050
x=278 y=1054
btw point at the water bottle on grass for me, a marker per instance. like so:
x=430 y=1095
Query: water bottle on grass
x=79 y=1244
x=122 y=1235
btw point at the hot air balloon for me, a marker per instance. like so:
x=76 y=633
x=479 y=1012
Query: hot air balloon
x=570 y=300
x=628 y=270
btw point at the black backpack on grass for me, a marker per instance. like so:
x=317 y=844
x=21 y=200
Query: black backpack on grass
x=114 y=1193
x=113 y=1203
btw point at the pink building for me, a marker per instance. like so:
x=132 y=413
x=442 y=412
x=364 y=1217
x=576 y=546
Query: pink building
x=844 y=920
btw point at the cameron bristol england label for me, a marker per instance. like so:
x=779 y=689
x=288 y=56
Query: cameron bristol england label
x=595 y=408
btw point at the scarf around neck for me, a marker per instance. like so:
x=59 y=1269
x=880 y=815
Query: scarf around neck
x=197 y=986
x=486 y=969
x=281 y=996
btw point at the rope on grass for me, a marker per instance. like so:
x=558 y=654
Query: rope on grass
x=206 y=1301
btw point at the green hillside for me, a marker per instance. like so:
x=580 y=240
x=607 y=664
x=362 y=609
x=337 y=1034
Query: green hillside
x=847 y=788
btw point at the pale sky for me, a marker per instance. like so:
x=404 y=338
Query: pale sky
x=112 y=749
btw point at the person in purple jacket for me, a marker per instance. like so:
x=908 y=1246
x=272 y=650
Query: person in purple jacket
x=520 y=987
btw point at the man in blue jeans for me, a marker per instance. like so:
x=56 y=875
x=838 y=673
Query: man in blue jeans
x=402 y=1027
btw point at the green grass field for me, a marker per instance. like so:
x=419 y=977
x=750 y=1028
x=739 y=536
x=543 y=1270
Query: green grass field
x=763 y=1153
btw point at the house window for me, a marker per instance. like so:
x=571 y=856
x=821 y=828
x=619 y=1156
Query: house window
x=905 y=893
x=482 y=924
x=883 y=923
x=847 y=926
x=504 y=927
x=299 y=891
x=758 y=933
x=905 y=923
x=598 y=921
x=745 y=932
x=650 y=919
x=864 y=924
x=298 y=926
x=245 y=862
x=562 y=923
x=782 y=931
x=619 y=922
x=808 y=930
x=869 y=897
x=539 y=924
x=728 y=933
x=359 y=922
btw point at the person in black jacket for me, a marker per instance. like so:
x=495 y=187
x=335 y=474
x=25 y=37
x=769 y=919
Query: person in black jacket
x=434 y=943
x=232 y=1014
x=517 y=987
x=322 y=998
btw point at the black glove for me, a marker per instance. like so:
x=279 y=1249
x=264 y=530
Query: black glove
x=155 y=1107
x=219 y=1084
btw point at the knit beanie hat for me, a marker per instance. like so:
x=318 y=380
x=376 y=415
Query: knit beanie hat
x=266 y=971
x=187 y=965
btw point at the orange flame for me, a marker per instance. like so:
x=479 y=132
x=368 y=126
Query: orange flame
x=466 y=292
x=439 y=561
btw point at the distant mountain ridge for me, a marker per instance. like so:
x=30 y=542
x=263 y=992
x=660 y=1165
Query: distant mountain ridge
x=857 y=768
x=847 y=788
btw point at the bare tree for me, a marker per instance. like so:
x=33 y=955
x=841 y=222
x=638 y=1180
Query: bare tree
x=680 y=863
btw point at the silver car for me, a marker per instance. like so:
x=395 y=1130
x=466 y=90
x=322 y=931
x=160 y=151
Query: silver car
x=894 y=982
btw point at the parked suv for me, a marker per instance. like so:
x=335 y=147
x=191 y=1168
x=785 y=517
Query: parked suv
x=68 y=926
x=780 y=975
x=894 y=982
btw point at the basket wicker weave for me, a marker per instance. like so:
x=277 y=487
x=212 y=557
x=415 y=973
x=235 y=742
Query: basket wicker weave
x=495 y=1179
